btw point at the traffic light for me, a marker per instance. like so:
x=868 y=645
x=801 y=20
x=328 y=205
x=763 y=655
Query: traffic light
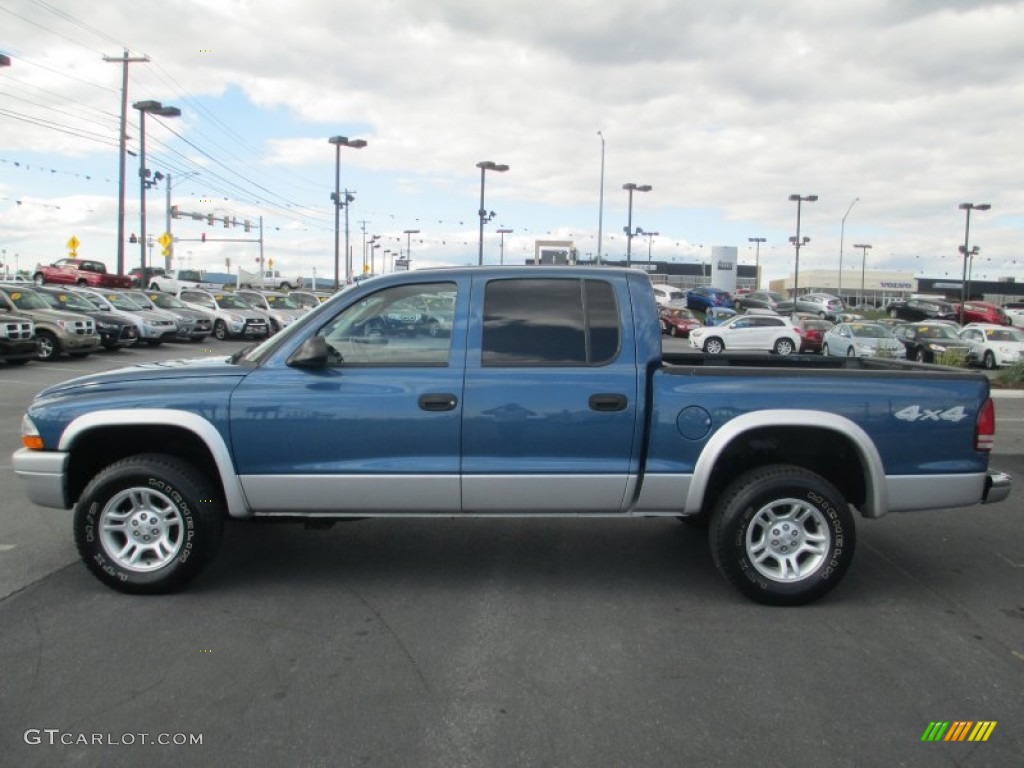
x=202 y=237
x=247 y=226
x=209 y=219
x=174 y=212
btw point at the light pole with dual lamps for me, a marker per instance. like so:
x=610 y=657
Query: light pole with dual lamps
x=485 y=216
x=797 y=242
x=339 y=142
x=631 y=188
x=159 y=110
x=864 y=247
x=503 y=231
x=757 y=259
x=650 y=239
x=966 y=250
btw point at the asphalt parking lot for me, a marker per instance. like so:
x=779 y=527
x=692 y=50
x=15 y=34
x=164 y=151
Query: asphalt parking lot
x=507 y=642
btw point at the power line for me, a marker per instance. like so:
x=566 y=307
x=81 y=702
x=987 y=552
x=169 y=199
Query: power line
x=57 y=127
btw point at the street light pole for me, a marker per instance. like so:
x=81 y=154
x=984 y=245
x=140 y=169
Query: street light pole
x=757 y=260
x=158 y=109
x=600 y=206
x=503 y=232
x=408 y=246
x=631 y=188
x=797 y=242
x=339 y=142
x=842 y=231
x=650 y=239
x=968 y=207
x=484 y=166
x=863 y=262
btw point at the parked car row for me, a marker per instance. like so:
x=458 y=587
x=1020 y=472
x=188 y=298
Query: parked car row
x=45 y=322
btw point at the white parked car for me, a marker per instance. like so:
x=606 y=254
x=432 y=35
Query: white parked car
x=760 y=333
x=664 y=295
x=993 y=346
x=861 y=340
x=1015 y=312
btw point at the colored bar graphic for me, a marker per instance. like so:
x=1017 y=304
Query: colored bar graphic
x=959 y=730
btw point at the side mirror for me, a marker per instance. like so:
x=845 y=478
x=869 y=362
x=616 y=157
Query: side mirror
x=312 y=353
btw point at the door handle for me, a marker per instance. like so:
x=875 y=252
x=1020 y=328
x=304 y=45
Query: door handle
x=608 y=402
x=438 y=401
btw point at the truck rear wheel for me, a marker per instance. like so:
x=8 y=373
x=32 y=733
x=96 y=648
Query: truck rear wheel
x=148 y=524
x=782 y=535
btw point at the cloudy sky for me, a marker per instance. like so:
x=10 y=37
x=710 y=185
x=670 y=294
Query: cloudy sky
x=908 y=107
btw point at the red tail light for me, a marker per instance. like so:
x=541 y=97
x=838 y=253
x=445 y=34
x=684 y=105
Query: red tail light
x=985 y=427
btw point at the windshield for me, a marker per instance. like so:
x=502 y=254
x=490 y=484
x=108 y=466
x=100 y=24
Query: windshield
x=120 y=301
x=1003 y=334
x=164 y=301
x=230 y=301
x=68 y=301
x=869 y=331
x=192 y=275
x=283 y=302
x=936 y=332
x=27 y=300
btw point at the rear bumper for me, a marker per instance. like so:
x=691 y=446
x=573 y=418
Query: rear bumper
x=997 y=487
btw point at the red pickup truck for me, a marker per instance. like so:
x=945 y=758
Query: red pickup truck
x=80 y=272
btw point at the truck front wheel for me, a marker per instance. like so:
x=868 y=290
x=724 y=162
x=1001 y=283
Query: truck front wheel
x=782 y=535
x=148 y=524
x=714 y=346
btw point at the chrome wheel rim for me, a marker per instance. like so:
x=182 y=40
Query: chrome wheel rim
x=141 y=530
x=787 y=540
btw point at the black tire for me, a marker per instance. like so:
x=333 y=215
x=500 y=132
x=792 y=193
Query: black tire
x=893 y=313
x=150 y=495
x=714 y=346
x=989 y=360
x=220 y=330
x=38 y=278
x=782 y=500
x=154 y=287
x=824 y=350
x=850 y=352
x=82 y=283
x=47 y=346
x=286 y=286
x=784 y=347
x=919 y=356
x=673 y=330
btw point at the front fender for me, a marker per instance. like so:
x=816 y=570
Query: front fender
x=234 y=495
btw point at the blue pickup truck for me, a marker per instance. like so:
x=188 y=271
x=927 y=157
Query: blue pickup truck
x=532 y=391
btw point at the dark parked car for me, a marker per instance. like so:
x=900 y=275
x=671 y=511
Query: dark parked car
x=921 y=309
x=759 y=300
x=115 y=331
x=704 y=297
x=926 y=342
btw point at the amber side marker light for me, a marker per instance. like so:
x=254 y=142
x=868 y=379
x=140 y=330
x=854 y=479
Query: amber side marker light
x=34 y=442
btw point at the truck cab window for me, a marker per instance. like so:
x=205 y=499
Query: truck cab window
x=549 y=322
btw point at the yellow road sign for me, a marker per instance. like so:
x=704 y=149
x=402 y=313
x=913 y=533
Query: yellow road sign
x=73 y=243
x=165 y=240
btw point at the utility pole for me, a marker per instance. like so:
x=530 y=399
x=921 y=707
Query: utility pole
x=125 y=60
